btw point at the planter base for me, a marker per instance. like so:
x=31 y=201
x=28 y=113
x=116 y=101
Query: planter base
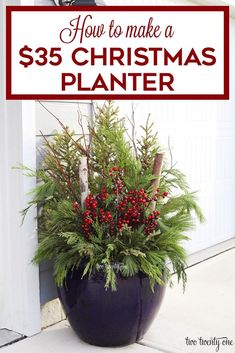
x=110 y=318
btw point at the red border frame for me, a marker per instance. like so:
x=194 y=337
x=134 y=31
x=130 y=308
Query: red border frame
x=10 y=96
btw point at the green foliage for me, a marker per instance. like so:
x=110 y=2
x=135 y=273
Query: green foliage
x=147 y=146
x=127 y=250
x=110 y=147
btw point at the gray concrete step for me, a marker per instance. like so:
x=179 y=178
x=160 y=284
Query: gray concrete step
x=61 y=339
x=206 y=310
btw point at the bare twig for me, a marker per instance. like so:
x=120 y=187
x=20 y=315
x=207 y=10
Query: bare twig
x=172 y=165
x=48 y=171
x=60 y=166
x=91 y=127
x=170 y=152
x=80 y=148
x=133 y=130
x=91 y=135
x=80 y=123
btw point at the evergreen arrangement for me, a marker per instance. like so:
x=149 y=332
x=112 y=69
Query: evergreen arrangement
x=135 y=215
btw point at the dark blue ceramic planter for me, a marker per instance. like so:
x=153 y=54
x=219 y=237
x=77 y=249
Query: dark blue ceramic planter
x=106 y=318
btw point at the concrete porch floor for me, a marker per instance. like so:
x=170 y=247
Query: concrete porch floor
x=206 y=310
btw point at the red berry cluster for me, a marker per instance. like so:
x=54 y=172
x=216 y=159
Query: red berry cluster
x=151 y=222
x=104 y=216
x=75 y=206
x=129 y=207
x=91 y=203
x=115 y=171
x=103 y=195
x=89 y=215
x=87 y=221
x=94 y=212
x=116 y=174
x=132 y=211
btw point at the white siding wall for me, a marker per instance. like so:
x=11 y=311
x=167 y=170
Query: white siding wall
x=19 y=280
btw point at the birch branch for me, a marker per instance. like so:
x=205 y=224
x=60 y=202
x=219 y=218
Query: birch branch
x=83 y=179
x=157 y=169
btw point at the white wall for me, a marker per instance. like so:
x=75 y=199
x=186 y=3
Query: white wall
x=19 y=284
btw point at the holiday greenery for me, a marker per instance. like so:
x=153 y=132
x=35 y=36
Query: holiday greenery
x=131 y=220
